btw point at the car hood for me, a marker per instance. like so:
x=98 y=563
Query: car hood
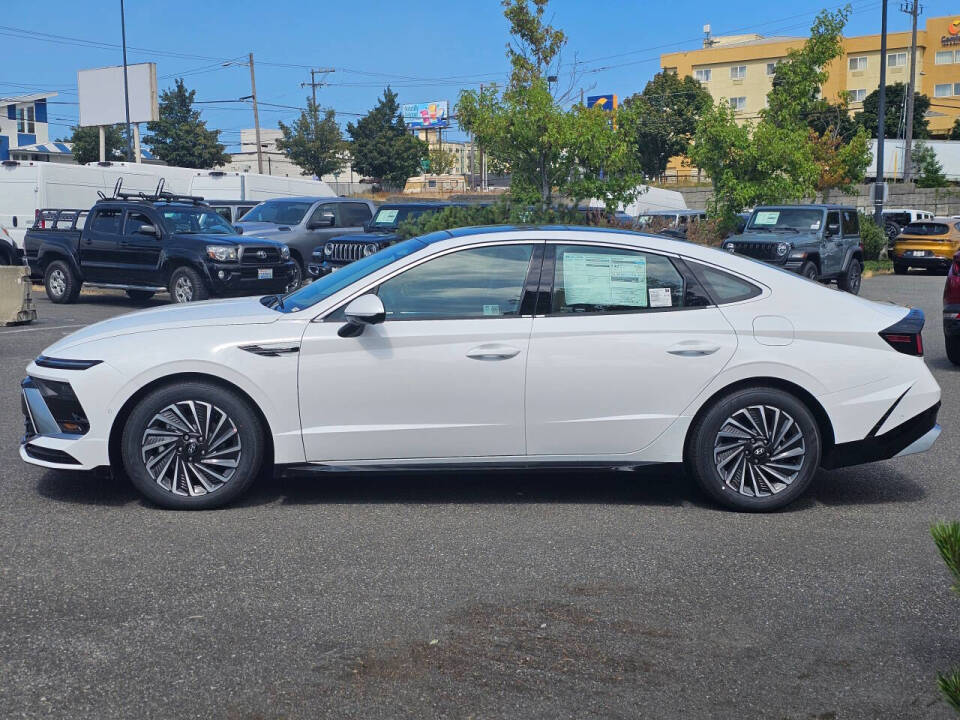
x=237 y=240
x=264 y=228
x=235 y=311
x=772 y=237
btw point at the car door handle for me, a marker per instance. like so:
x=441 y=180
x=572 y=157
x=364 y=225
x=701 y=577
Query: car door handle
x=693 y=348
x=493 y=352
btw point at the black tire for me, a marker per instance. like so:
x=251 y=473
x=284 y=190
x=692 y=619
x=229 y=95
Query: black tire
x=186 y=285
x=140 y=295
x=891 y=230
x=173 y=466
x=899 y=269
x=702 y=450
x=297 y=277
x=953 y=349
x=851 y=279
x=809 y=270
x=60 y=282
x=5 y=257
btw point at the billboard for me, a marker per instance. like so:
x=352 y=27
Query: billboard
x=426 y=115
x=604 y=102
x=101 y=94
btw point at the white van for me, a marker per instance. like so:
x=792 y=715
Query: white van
x=224 y=185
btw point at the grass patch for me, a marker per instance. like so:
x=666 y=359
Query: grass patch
x=877 y=267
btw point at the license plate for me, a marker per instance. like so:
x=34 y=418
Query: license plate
x=917 y=253
x=264 y=273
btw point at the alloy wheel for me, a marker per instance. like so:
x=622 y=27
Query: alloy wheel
x=58 y=282
x=183 y=290
x=191 y=447
x=759 y=451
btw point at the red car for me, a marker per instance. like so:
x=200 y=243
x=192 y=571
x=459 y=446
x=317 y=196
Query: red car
x=951 y=311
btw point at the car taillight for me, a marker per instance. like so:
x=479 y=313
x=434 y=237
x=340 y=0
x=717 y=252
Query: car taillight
x=906 y=336
x=37 y=222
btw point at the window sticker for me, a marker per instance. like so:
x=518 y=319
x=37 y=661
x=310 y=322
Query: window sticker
x=491 y=310
x=590 y=279
x=815 y=226
x=660 y=297
x=386 y=216
x=767 y=217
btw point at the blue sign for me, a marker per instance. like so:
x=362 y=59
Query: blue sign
x=604 y=102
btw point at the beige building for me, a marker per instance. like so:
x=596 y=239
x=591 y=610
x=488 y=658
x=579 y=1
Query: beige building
x=274 y=161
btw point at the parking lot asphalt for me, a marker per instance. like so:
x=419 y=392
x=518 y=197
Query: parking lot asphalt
x=555 y=595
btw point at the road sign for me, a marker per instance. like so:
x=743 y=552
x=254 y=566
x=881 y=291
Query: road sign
x=604 y=102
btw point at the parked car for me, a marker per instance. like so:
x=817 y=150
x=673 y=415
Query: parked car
x=305 y=223
x=149 y=245
x=672 y=223
x=232 y=210
x=895 y=219
x=928 y=244
x=490 y=348
x=951 y=311
x=379 y=233
x=820 y=242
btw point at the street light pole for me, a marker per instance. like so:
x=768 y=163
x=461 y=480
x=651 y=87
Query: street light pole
x=126 y=88
x=911 y=91
x=881 y=119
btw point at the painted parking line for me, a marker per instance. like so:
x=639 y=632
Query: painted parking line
x=40 y=329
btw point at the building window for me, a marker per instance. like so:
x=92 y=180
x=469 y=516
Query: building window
x=702 y=75
x=897 y=59
x=670 y=71
x=771 y=69
x=944 y=57
x=25 y=120
x=738 y=104
x=858 y=63
x=945 y=90
x=956 y=88
x=738 y=72
x=856 y=95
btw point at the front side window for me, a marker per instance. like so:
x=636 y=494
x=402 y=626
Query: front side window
x=323 y=213
x=107 y=221
x=135 y=221
x=591 y=279
x=834 y=219
x=480 y=282
x=738 y=72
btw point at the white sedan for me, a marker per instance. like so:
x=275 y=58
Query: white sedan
x=495 y=347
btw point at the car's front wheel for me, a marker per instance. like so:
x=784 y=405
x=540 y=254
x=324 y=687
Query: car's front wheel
x=756 y=449
x=192 y=446
x=953 y=349
x=809 y=270
x=186 y=285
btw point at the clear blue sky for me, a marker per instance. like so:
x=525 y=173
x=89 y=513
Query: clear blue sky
x=426 y=51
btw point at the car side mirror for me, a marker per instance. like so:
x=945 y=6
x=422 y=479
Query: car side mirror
x=326 y=220
x=833 y=229
x=148 y=230
x=365 y=310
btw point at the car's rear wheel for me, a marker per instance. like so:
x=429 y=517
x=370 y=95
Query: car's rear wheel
x=140 y=295
x=953 y=349
x=61 y=284
x=756 y=449
x=186 y=285
x=851 y=279
x=192 y=446
x=809 y=270
x=899 y=269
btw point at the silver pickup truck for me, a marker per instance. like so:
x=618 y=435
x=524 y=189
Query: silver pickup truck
x=304 y=223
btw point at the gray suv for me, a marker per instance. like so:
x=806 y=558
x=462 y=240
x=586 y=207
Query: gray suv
x=303 y=223
x=820 y=242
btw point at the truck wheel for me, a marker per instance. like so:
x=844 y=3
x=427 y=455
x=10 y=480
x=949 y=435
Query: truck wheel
x=297 y=280
x=140 y=295
x=186 y=285
x=4 y=257
x=809 y=270
x=899 y=269
x=61 y=284
x=850 y=280
x=953 y=349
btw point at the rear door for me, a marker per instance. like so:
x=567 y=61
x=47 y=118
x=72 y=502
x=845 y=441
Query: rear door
x=99 y=245
x=623 y=340
x=353 y=215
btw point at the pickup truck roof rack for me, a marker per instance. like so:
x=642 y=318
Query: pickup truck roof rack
x=159 y=195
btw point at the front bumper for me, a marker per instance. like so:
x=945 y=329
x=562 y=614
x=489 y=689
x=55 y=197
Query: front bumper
x=319 y=268
x=235 y=279
x=912 y=436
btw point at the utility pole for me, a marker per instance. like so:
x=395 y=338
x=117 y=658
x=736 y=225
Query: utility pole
x=881 y=119
x=913 y=9
x=126 y=88
x=483 y=176
x=313 y=84
x=256 y=115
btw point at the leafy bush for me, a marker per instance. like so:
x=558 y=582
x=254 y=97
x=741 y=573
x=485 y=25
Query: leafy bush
x=947 y=538
x=872 y=236
x=712 y=232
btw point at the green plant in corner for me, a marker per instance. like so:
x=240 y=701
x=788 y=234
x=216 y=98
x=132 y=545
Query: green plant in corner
x=946 y=536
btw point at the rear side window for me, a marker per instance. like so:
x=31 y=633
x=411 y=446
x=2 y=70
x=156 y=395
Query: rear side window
x=926 y=228
x=354 y=214
x=723 y=287
x=851 y=223
x=107 y=221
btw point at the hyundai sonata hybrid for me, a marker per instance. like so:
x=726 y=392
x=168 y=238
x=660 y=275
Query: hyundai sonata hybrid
x=495 y=347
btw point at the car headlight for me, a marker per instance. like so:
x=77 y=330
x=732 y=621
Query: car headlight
x=222 y=253
x=730 y=247
x=783 y=248
x=328 y=249
x=284 y=252
x=370 y=249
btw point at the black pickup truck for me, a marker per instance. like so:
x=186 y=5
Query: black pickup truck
x=151 y=244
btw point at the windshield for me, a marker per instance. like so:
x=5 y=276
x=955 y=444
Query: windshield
x=326 y=286
x=199 y=221
x=804 y=220
x=279 y=212
x=390 y=217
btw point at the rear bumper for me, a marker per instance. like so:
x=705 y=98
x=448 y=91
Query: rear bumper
x=912 y=436
x=930 y=261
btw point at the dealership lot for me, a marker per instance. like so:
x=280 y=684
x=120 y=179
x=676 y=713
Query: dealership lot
x=506 y=594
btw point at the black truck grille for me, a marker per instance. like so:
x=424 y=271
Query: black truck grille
x=758 y=250
x=346 y=252
x=259 y=256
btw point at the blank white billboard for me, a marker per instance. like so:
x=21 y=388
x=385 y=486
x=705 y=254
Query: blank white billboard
x=101 y=94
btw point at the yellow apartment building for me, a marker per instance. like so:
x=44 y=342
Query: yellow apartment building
x=740 y=68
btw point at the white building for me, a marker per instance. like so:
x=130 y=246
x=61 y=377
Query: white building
x=23 y=122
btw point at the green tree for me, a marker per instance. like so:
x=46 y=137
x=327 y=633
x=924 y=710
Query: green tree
x=86 y=144
x=946 y=536
x=955 y=130
x=381 y=146
x=441 y=161
x=313 y=143
x=928 y=168
x=579 y=153
x=895 y=113
x=663 y=118
x=180 y=137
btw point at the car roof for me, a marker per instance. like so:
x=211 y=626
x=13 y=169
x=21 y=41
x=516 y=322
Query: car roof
x=415 y=205
x=811 y=206
x=312 y=199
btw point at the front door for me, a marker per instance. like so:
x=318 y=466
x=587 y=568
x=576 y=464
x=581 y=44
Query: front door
x=441 y=377
x=831 y=259
x=139 y=253
x=99 y=244
x=626 y=342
